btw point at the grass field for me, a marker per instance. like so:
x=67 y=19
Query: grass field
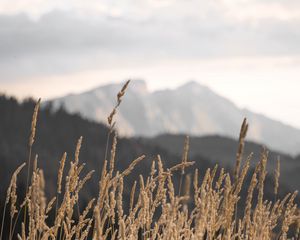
x=209 y=209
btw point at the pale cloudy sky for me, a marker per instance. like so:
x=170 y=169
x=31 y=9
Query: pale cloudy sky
x=246 y=50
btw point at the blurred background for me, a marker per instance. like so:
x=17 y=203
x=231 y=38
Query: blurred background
x=197 y=67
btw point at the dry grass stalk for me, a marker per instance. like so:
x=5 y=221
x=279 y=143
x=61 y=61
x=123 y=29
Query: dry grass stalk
x=132 y=196
x=276 y=177
x=11 y=196
x=11 y=191
x=247 y=213
x=128 y=170
x=181 y=165
x=185 y=152
x=122 y=92
x=30 y=144
x=239 y=155
x=77 y=151
x=33 y=123
x=187 y=185
x=119 y=100
x=61 y=171
x=113 y=155
x=35 y=162
x=262 y=176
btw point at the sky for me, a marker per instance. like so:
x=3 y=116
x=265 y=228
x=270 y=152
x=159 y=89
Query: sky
x=245 y=50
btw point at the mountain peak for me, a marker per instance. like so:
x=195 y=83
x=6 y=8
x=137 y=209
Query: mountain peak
x=139 y=86
x=136 y=85
x=191 y=83
x=193 y=86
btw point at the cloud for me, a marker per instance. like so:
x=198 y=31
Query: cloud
x=70 y=40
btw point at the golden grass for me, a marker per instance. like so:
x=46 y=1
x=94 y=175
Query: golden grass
x=155 y=211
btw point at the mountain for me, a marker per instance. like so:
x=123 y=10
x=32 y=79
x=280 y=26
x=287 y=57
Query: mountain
x=192 y=109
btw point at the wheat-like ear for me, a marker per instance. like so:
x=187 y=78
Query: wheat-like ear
x=262 y=176
x=33 y=122
x=185 y=153
x=11 y=196
x=35 y=163
x=122 y=92
x=195 y=182
x=119 y=100
x=132 y=196
x=113 y=155
x=12 y=185
x=122 y=234
x=61 y=171
x=128 y=170
x=247 y=213
x=50 y=205
x=77 y=151
x=30 y=144
x=276 y=177
x=12 y=191
x=239 y=155
x=297 y=235
x=187 y=186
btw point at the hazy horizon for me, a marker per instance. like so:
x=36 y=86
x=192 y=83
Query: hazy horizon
x=222 y=89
